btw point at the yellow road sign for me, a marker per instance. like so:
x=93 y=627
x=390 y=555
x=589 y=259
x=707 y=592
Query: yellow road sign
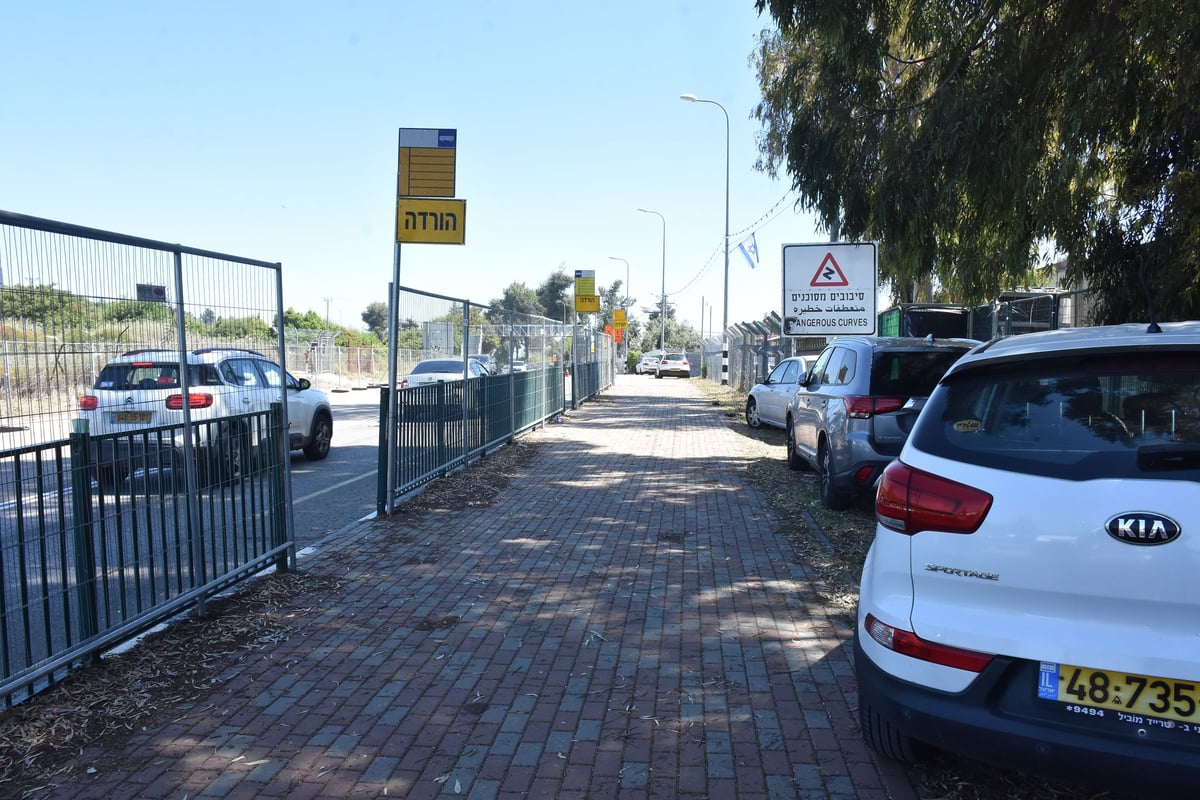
x=426 y=172
x=425 y=221
x=587 y=303
x=619 y=319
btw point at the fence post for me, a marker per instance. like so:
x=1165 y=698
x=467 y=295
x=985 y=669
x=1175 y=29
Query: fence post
x=279 y=528
x=382 y=487
x=81 y=531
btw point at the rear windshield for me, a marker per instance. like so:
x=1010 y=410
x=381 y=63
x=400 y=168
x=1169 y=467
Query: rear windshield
x=1102 y=416
x=158 y=375
x=444 y=365
x=910 y=373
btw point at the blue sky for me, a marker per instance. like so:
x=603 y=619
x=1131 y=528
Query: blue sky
x=269 y=130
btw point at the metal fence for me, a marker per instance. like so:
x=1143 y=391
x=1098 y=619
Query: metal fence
x=537 y=367
x=84 y=566
x=755 y=347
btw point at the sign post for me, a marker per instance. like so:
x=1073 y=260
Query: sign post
x=829 y=289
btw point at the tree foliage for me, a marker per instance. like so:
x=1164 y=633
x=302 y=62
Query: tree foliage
x=973 y=138
x=375 y=317
x=553 y=294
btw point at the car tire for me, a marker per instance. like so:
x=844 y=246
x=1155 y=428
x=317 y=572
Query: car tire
x=883 y=738
x=229 y=460
x=831 y=498
x=320 y=439
x=109 y=477
x=794 y=461
x=752 y=417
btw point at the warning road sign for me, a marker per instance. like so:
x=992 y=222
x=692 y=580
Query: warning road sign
x=829 y=289
x=829 y=273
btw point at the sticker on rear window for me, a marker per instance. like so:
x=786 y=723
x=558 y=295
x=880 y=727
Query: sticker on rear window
x=967 y=426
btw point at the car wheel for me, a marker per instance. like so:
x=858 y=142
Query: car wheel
x=109 y=477
x=229 y=459
x=883 y=738
x=794 y=461
x=752 y=418
x=322 y=436
x=830 y=496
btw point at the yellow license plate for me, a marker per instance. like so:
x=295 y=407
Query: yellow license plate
x=132 y=416
x=1120 y=691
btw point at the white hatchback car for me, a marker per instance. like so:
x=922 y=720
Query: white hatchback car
x=140 y=393
x=1031 y=597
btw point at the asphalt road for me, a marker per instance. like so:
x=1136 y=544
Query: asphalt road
x=331 y=494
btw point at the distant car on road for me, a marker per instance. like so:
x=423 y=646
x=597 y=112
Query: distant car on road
x=648 y=363
x=768 y=401
x=486 y=359
x=434 y=370
x=674 y=364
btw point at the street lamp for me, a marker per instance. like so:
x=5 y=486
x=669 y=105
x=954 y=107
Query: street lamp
x=662 y=339
x=616 y=258
x=691 y=98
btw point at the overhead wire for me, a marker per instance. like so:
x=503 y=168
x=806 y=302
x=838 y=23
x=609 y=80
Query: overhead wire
x=769 y=216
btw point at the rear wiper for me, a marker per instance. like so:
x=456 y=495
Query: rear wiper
x=1168 y=456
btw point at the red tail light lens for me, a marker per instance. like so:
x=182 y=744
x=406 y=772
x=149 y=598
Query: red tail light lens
x=89 y=402
x=910 y=501
x=863 y=406
x=909 y=644
x=195 y=400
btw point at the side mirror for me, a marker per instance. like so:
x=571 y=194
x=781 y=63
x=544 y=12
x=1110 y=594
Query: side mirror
x=304 y=383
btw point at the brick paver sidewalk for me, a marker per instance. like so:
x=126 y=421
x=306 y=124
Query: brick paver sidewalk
x=624 y=621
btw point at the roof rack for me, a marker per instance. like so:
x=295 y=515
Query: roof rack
x=204 y=350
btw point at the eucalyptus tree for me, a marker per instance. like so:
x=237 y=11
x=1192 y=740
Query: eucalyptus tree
x=977 y=140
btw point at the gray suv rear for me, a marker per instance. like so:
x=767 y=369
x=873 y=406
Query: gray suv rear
x=853 y=412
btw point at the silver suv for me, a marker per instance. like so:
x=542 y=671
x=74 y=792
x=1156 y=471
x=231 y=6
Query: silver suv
x=852 y=414
x=135 y=411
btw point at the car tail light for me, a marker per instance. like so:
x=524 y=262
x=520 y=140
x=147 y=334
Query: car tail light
x=89 y=402
x=909 y=644
x=910 y=501
x=195 y=400
x=863 y=406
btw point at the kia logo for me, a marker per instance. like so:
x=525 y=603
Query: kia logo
x=1142 y=527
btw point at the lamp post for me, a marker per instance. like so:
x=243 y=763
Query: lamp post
x=662 y=338
x=691 y=98
x=617 y=258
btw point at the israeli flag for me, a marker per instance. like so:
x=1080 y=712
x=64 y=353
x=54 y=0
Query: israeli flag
x=749 y=249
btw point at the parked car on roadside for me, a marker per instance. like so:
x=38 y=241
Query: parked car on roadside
x=142 y=390
x=486 y=359
x=768 y=400
x=853 y=412
x=648 y=363
x=673 y=364
x=1030 y=598
x=434 y=370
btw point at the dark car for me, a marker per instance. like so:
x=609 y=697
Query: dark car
x=851 y=416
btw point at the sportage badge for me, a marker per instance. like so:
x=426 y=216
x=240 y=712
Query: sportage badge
x=1142 y=527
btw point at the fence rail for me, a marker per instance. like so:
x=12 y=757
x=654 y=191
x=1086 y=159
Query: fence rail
x=434 y=429
x=85 y=565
